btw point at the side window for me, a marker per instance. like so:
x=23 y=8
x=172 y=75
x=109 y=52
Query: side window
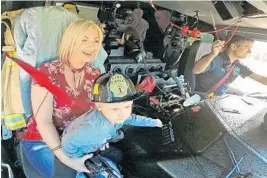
x=257 y=62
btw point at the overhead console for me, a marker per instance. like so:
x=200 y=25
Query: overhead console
x=235 y=9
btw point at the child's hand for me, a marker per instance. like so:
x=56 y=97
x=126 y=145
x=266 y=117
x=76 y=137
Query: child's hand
x=159 y=123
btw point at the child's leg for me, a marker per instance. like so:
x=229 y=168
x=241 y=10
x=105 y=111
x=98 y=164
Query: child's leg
x=113 y=153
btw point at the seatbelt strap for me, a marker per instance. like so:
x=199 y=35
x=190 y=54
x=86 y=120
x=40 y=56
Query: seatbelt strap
x=220 y=82
x=19 y=135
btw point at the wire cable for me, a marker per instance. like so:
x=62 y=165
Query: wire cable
x=214 y=25
x=177 y=26
x=232 y=35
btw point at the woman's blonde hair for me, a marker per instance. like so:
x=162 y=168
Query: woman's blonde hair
x=73 y=36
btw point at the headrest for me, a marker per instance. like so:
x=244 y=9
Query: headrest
x=203 y=48
x=196 y=51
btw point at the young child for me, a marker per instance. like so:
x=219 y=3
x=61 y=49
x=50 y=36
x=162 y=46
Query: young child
x=113 y=94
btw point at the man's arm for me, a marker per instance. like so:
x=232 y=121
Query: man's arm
x=137 y=120
x=203 y=63
x=259 y=78
x=247 y=72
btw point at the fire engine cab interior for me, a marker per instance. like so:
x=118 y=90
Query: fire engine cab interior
x=212 y=137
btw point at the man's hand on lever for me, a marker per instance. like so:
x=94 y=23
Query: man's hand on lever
x=217 y=47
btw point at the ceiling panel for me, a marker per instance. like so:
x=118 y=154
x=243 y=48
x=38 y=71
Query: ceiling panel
x=189 y=8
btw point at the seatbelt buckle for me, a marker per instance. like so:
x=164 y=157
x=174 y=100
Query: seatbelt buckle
x=10 y=50
x=211 y=95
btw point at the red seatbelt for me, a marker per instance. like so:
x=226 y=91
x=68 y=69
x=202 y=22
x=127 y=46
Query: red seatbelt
x=220 y=82
x=78 y=107
x=43 y=80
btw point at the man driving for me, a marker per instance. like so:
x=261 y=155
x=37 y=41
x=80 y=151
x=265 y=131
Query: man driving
x=212 y=68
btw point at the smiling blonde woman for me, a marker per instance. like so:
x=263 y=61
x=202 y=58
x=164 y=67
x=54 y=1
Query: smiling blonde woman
x=73 y=73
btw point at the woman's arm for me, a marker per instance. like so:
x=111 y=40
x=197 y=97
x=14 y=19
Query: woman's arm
x=42 y=105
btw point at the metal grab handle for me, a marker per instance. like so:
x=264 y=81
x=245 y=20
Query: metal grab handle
x=10 y=172
x=236 y=166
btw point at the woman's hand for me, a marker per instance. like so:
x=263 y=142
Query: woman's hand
x=78 y=163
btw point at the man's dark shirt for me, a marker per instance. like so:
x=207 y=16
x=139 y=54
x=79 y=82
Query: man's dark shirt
x=216 y=71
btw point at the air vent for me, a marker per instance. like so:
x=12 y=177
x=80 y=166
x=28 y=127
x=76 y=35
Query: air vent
x=140 y=69
x=160 y=68
x=129 y=70
x=117 y=69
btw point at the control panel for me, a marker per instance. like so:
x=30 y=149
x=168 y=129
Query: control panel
x=131 y=68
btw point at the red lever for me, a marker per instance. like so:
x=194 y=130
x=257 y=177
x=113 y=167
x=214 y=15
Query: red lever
x=185 y=30
x=147 y=85
x=195 y=108
x=195 y=33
